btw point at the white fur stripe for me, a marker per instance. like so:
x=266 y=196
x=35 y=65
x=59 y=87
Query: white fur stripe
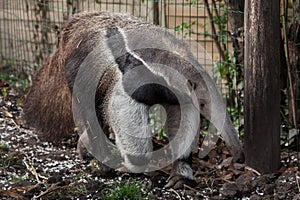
x=139 y=58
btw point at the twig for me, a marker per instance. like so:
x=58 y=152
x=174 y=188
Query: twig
x=32 y=170
x=225 y=180
x=189 y=187
x=219 y=25
x=176 y=193
x=253 y=170
x=19 y=129
x=17 y=126
x=12 y=194
x=286 y=49
x=52 y=188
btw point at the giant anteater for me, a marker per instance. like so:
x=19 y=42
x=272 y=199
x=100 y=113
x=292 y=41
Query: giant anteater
x=120 y=111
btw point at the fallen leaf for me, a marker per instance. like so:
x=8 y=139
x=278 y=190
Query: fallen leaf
x=225 y=163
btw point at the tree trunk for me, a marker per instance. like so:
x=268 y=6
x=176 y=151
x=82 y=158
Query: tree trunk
x=262 y=89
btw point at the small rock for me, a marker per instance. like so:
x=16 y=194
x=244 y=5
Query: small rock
x=296 y=197
x=255 y=197
x=103 y=172
x=218 y=198
x=157 y=181
x=286 y=182
x=229 y=189
x=280 y=195
x=269 y=188
x=54 y=179
x=244 y=181
x=262 y=180
x=213 y=155
x=94 y=185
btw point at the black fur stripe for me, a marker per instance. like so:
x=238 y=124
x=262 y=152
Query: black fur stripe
x=136 y=73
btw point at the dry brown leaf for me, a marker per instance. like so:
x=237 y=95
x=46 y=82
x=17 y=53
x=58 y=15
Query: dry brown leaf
x=227 y=177
x=206 y=164
x=238 y=166
x=225 y=163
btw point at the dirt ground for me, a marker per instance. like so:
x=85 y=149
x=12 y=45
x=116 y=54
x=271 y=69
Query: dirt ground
x=31 y=169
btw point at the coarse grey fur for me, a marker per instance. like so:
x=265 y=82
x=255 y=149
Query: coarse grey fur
x=119 y=111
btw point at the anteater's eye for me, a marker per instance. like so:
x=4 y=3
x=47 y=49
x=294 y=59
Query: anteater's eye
x=191 y=85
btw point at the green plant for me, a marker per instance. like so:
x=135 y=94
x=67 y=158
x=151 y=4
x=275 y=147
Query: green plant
x=3 y=152
x=18 y=80
x=10 y=159
x=4 y=92
x=232 y=76
x=185 y=28
x=157 y=115
x=81 y=175
x=19 y=102
x=7 y=63
x=78 y=190
x=228 y=69
x=69 y=192
x=94 y=163
x=125 y=190
x=3 y=146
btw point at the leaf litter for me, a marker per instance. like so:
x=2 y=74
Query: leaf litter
x=32 y=169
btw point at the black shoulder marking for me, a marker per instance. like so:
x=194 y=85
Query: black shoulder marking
x=117 y=45
x=127 y=62
x=135 y=73
x=151 y=94
x=148 y=88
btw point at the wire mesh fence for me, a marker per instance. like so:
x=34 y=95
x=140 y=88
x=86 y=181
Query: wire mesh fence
x=291 y=35
x=30 y=29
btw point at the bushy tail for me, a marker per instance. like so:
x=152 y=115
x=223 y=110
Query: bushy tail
x=47 y=106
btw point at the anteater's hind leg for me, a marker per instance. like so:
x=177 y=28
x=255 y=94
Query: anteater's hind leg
x=47 y=106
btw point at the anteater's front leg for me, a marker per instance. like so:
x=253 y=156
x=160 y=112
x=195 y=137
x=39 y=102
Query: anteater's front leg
x=129 y=122
x=182 y=129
